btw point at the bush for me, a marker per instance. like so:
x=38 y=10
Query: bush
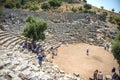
x=103 y=17
x=80 y=8
x=87 y=6
x=115 y=20
x=116 y=47
x=34 y=7
x=1 y=12
x=9 y=5
x=3 y=1
x=55 y=3
x=70 y=1
x=18 y=5
x=105 y=13
x=85 y=11
x=45 y=6
x=23 y=2
x=74 y=9
x=93 y=12
x=27 y=5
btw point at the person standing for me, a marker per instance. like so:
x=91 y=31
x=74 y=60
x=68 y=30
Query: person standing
x=95 y=75
x=87 y=51
x=40 y=59
x=100 y=76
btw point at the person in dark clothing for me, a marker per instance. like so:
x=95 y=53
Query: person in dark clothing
x=113 y=69
x=95 y=75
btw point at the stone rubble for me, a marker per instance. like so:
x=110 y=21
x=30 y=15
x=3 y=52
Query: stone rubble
x=20 y=66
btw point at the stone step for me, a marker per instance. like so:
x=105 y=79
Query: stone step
x=10 y=41
x=17 y=46
x=1 y=31
x=12 y=45
x=3 y=34
x=6 y=39
x=3 y=37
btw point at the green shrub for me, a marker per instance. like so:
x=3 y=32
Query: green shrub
x=55 y=3
x=34 y=7
x=9 y=5
x=1 y=12
x=27 y=5
x=87 y=6
x=18 y=5
x=85 y=11
x=93 y=12
x=105 y=13
x=74 y=9
x=23 y=2
x=3 y=1
x=45 y=6
x=80 y=8
x=103 y=17
x=70 y=1
x=116 y=47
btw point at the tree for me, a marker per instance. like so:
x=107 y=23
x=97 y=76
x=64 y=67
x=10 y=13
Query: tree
x=116 y=47
x=102 y=7
x=35 y=28
x=87 y=6
x=113 y=10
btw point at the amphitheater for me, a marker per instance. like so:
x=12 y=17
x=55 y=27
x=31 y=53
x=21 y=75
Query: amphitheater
x=16 y=64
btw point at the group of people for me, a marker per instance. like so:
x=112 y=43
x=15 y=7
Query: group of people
x=38 y=49
x=35 y=48
x=98 y=75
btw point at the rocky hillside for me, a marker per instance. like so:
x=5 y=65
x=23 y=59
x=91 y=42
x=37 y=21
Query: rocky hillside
x=63 y=27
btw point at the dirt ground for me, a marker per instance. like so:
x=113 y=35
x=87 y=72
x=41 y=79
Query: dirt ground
x=73 y=59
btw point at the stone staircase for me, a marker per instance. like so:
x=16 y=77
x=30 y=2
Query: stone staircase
x=9 y=40
x=17 y=65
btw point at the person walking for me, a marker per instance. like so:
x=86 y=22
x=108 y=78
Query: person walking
x=40 y=59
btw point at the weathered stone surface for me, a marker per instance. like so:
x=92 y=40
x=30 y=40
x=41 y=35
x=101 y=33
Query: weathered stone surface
x=25 y=68
x=70 y=27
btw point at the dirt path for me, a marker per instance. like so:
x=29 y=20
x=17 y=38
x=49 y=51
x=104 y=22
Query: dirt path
x=73 y=59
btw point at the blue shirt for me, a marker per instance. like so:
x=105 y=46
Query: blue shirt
x=40 y=57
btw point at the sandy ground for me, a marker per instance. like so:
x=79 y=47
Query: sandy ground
x=73 y=59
